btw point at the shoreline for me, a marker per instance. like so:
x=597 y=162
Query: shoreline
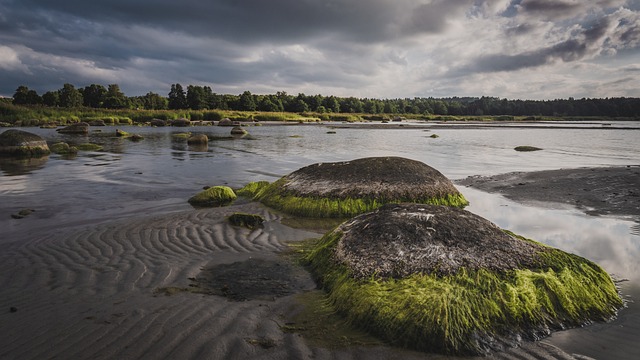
x=609 y=191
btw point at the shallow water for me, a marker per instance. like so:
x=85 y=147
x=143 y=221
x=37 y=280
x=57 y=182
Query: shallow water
x=158 y=174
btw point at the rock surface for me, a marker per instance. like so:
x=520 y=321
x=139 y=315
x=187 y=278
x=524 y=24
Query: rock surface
x=22 y=143
x=79 y=128
x=398 y=240
x=383 y=178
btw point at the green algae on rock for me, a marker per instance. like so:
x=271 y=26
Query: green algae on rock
x=89 y=147
x=62 y=148
x=23 y=144
x=345 y=189
x=215 y=196
x=441 y=279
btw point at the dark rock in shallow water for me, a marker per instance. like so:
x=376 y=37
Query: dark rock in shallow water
x=403 y=239
x=181 y=122
x=21 y=143
x=250 y=221
x=79 y=128
x=237 y=130
x=445 y=280
x=198 y=139
x=157 y=122
x=349 y=188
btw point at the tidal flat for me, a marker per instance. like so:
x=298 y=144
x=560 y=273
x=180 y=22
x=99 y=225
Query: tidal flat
x=81 y=276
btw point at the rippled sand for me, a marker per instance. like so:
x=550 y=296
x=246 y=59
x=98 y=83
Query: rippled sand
x=92 y=293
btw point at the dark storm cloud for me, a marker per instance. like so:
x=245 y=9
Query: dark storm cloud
x=213 y=38
x=343 y=45
x=250 y=21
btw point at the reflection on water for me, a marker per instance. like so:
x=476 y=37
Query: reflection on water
x=21 y=166
x=610 y=242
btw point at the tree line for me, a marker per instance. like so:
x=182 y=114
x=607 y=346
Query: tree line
x=202 y=97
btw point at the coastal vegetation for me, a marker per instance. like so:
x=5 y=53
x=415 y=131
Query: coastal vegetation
x=199 y=103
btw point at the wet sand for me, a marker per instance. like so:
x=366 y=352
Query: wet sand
x=597 y=191
x=124 y=290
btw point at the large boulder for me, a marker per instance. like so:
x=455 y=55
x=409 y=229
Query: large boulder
x=15 y=142
x=441 y=279
x=348 y=188
x=237 y=130
x=226 y=122
x=81 y=128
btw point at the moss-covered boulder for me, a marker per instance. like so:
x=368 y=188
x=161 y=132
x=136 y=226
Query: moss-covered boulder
x=15 y=142
x=81 y=128
x=62 y=148
x=441 y=279
x=215 y=196
x=198 y=139
x=237 y=130
x=345 y=189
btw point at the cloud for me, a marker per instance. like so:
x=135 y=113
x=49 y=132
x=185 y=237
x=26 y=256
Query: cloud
x=368 y=48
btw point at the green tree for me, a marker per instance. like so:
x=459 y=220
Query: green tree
x=196 y=97
x=331 y=103
x=246 y=102
x=177 y=97
x=94 y=95
x=115 y=99
x=51 y=98
x=24 y=96
x=70 y=96
x=153 y=101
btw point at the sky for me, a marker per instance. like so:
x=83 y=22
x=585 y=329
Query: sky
x=514 y=49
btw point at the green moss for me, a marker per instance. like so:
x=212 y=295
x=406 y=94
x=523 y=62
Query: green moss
x=213 y=197
x=89 y=147
x=63 y=148
x=249 y=221
x=253 y=189
x=181 y=135
x=464 y=312
x=272 y=196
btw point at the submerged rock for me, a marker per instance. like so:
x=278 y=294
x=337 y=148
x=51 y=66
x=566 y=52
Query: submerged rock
x=22 y=143
x=250 y=221
x=442 y=279
x=344 y=189
x=79 y=128
x=527 y=148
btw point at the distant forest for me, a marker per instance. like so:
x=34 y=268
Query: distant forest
x=202 y=97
